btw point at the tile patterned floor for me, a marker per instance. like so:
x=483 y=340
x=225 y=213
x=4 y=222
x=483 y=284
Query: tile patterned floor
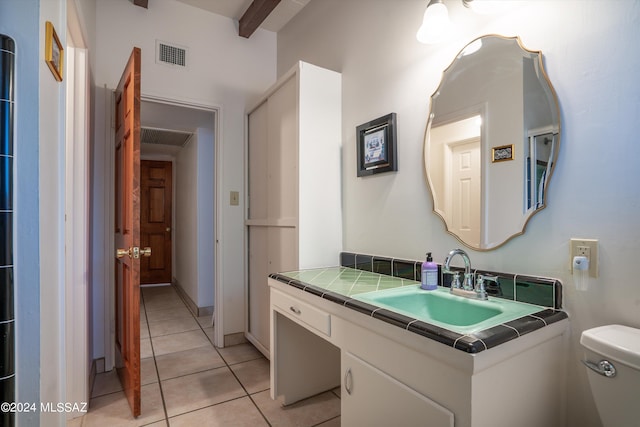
x=186 y=381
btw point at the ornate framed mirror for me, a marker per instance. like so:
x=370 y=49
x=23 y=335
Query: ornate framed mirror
x=492 y=141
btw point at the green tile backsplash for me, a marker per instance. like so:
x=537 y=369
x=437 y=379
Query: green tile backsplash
x=542 y=291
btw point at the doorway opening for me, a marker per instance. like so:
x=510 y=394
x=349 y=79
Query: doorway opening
x=178 y=156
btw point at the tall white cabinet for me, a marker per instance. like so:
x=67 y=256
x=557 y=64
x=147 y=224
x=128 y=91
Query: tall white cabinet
x=294 y=218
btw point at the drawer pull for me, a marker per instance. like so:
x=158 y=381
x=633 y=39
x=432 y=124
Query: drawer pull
x=295 y=310
x=348 y=381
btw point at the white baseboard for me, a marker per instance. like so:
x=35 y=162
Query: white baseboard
x=191 y=305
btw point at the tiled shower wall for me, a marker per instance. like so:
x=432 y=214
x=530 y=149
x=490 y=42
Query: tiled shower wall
x=7 y=321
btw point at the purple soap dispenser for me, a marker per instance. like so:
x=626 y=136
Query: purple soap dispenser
x=429 y=279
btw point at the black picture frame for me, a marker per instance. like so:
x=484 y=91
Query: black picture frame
x=376 y=146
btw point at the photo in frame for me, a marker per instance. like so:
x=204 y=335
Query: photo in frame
x=502 y=153
x=53 y=51
x=376 y=146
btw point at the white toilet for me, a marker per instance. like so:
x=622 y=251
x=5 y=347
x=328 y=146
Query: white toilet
x=612 y=358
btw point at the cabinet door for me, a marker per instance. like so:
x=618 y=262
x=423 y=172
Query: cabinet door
x=271 y=250
x=257 y=161
x=258 y=288
x=370 y=397
x=282 y=155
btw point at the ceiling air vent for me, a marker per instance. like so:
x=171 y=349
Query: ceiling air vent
x=170 y=54
x=164 y=136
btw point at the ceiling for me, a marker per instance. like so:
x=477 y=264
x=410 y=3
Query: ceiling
x=234 y=9
x=166 y=119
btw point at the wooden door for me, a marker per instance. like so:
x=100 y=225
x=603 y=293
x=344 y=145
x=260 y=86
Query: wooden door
x=127 y=230
x=155 y=221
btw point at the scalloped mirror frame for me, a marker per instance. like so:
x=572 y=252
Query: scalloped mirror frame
x=552 y=99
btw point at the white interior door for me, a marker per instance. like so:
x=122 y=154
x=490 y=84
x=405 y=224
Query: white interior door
x=465 y=190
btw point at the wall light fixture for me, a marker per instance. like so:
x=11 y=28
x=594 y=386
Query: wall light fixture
x=435 y=23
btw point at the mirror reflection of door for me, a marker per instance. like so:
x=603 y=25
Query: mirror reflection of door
x=455 y=169
x=465 y=179
x=541 y=145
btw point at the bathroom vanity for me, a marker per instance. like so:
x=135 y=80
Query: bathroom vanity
x=395 y=370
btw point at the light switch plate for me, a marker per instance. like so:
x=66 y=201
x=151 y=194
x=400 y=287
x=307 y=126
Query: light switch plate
x=588 y=248
x=234 y=198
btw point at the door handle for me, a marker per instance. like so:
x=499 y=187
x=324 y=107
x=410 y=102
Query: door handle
x=122 y=252
x=134 y=252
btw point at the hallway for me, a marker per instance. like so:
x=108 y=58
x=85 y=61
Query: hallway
x=186 y=381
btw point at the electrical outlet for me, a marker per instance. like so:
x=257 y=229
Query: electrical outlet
x=587 y=248
x=583 y=251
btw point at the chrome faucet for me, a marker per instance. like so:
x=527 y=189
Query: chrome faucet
x=467 y=288
x=468 y=277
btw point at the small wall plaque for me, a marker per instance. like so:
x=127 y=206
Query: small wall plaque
x=53 y=51
x=502 y=153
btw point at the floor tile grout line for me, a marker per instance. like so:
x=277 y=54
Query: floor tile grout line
x=250 y=395
x=191 y=373
x=155 y=364
x=234 y=374
x=226 y=363
x=208 y=406
x=159 y=380
x=326 y=421
x=259 y=410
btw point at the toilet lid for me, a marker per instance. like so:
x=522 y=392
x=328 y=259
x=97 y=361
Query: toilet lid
x=618 y=342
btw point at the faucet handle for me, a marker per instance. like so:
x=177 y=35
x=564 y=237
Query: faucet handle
x=488 y=278
x=493 y=285
x=455 y=283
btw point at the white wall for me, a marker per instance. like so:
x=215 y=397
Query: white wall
x=21 y=21
x=224 y=70
x=205 y=220
x=186 y=220
x=595 y=190
x=194 y=218
x=52 y=230
x=86 y=10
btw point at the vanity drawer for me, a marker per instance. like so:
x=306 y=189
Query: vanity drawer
x=304 y=313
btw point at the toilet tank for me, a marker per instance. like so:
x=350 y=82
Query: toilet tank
x=615 y=396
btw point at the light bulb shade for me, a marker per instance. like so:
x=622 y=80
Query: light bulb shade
x=435 y=24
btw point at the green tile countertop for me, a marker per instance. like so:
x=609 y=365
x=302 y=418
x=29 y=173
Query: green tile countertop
x=341 y=284
x=347 y=281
